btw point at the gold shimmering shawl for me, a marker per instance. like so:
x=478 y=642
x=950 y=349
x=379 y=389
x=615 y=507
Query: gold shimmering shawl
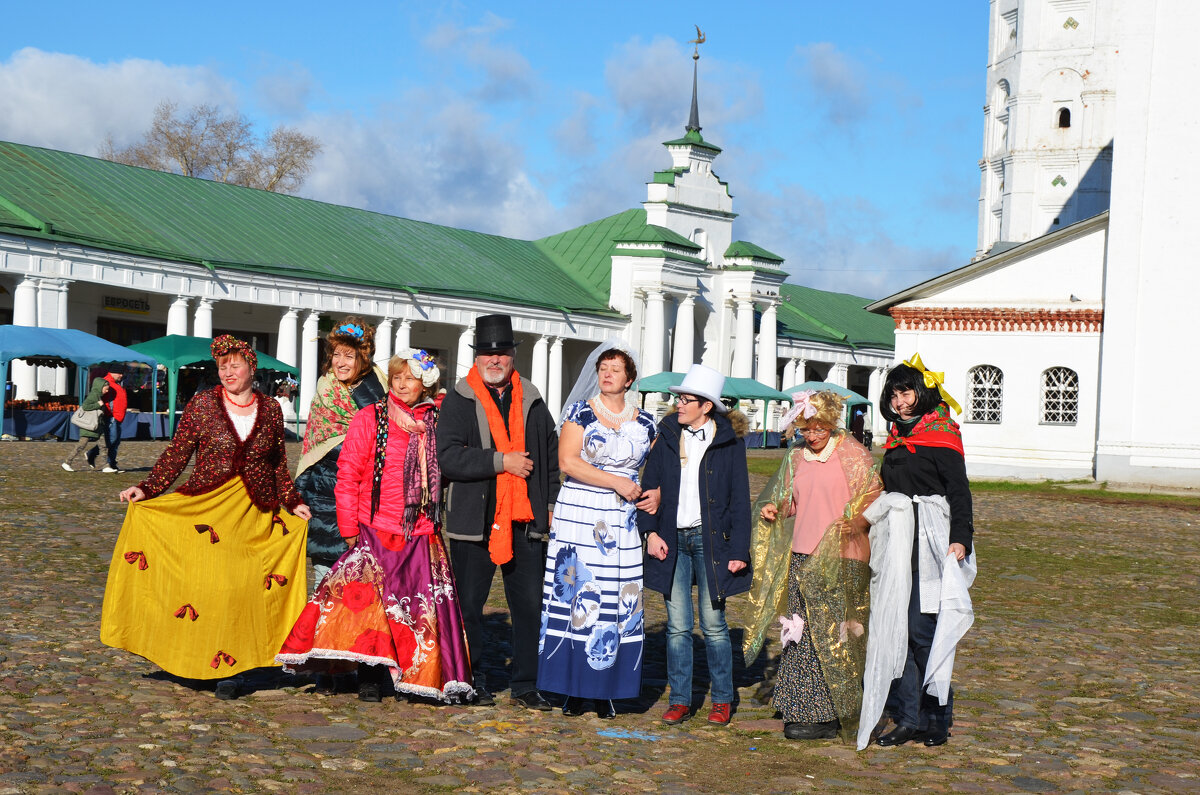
x=834 y=581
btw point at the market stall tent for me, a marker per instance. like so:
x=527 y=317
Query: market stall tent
x=175 y=350
x=57 y=346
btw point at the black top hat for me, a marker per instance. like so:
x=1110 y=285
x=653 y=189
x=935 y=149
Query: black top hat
x=494 y=333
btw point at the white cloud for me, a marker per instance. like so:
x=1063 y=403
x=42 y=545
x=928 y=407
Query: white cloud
x=837 y=82
x=284 y=89
x=66 y=102
x=507 y=74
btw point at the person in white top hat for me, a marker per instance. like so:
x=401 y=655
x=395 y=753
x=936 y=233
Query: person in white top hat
x=701 y=528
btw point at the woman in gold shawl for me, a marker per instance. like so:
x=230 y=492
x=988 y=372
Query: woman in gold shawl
x=810 y=555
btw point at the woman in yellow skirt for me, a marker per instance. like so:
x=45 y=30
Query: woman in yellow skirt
x=206 y=582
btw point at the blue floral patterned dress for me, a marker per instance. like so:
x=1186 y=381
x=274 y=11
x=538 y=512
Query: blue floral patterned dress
x=592 y=628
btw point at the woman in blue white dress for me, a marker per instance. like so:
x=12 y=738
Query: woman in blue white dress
x=592 y=628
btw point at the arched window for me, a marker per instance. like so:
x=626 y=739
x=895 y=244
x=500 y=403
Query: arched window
x=985 y=394
x=1064 y=118
x=1060 y=396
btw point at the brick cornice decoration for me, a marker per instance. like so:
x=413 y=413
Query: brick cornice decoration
x=997 y=319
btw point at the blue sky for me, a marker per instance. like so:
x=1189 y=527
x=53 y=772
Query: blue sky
x=851 y=132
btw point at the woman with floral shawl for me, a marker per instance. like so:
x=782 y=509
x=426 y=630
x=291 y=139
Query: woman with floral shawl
x=389 y=604
x=816 y=565
x=351 y=382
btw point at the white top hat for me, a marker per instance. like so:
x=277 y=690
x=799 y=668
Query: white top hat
x=703 y=382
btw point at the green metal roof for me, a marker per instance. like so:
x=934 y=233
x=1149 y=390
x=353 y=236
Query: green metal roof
x=67 y=197
x=657 y=234
x=740 y=248
x=586 y=251
x=692 y=138
x=822 y=316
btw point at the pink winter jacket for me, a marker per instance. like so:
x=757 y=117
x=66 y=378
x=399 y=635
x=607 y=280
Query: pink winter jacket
x=356 y=470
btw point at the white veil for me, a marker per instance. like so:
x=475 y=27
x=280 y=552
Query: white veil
x=588 y=384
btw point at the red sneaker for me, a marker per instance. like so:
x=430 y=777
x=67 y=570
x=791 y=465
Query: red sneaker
x=677 y=713
x=720 y=715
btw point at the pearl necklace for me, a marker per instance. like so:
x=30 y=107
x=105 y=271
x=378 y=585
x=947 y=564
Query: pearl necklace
x=614 y=417
x=229 y=397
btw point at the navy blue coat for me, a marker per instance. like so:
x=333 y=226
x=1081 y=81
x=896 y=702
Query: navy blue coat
x=724 y=508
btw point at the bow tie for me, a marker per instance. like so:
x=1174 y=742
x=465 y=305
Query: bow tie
x=697 y=433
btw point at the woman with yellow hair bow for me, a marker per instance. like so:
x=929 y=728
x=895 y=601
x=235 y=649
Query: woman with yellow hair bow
x=923 y=466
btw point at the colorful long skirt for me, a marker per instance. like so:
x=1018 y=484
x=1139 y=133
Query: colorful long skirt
x=390 y=602
x=801 y=694
x=204 y=586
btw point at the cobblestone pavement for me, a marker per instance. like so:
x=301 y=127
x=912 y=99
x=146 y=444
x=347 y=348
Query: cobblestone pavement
x=1080 y=675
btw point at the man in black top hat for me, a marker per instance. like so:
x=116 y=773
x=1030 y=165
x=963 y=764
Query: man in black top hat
x=480 y=459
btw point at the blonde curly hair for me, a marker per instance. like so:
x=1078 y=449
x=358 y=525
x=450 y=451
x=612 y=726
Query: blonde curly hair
x=828 y=406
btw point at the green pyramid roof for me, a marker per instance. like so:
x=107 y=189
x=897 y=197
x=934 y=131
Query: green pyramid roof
x=821 y=316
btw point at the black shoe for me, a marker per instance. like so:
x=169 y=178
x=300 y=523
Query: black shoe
x=370 y=691
x=811 y=731
x=482 y=698
x=933 y=737
x=605 y=709
x=573 y=707
x=226 y=690
x=326 y=685
x=898 y=736
x=532 y=700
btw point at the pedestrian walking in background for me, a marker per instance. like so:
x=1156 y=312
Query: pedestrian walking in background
x=207 y=581
x=700 y=533
x=388 y=605
x=91 y=438
x=115 y=404
x=593 y=632
x=813 y=571
x=498 y=452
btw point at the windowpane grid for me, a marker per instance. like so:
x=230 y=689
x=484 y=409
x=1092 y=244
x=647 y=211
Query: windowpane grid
x=1060 y=396
x=985 y=393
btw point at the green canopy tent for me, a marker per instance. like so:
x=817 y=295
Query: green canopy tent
x=735 y=388
x=175 y=351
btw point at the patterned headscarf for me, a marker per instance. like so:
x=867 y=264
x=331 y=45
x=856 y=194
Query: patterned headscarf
x=227 y=344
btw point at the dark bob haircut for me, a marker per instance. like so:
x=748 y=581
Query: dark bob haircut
x=900 y=378
x=626 y=359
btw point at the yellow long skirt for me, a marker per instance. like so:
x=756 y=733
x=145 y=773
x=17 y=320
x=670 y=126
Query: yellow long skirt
x=206 y=586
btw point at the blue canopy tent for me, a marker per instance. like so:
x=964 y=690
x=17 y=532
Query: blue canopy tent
x=57 y=346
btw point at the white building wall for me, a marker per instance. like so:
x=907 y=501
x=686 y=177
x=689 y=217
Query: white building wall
x=1149 y=430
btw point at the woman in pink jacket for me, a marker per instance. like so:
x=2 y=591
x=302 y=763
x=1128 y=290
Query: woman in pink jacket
x=389 y=603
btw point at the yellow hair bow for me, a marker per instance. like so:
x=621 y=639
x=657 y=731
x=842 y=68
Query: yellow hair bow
x=934 y=379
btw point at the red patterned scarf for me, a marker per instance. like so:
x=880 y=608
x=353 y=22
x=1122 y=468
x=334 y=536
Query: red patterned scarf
x=422 y=475
x=512 y=493
x=935 y=429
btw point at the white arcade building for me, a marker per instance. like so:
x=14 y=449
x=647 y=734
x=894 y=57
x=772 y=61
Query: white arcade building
x=1063 y=337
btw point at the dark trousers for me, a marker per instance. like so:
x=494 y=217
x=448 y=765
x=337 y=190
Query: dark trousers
x=908 y=703
x=473 y=573
x=112 y=435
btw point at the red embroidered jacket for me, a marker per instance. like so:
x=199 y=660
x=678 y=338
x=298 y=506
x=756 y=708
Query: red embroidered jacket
x=206 y=430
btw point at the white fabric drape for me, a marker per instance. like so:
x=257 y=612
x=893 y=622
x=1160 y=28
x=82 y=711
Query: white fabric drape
x=587 y=386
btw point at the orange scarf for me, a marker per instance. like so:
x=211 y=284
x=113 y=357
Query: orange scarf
x=512 y=494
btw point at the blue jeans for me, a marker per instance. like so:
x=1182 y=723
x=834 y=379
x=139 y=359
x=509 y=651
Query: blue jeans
x=689 y=561
x=112 y=435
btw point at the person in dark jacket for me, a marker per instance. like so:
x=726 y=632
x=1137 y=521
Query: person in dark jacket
x=701 y=531
x=924 y=457
x=96 y=400
x=498 y=451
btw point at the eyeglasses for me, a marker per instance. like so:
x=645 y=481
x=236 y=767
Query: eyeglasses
x=815 y=431
x=687 y=400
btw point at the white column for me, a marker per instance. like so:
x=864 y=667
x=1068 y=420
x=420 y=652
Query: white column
x=743 y=351
x=285 y=341
x=309 y=340
x=837 y=374
x=768 y=356
x=466 y=354
x=202 y=322
x=61 y=385
x=685 y=334
x=403 y=335
x=538 y=371
x=875 y=386
x=383 y=343
x=554 y=394
x=52 y=313
x=24 y=376
x=801 y=370
x=654 y=333
x=177 y=317
x=789 y=375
